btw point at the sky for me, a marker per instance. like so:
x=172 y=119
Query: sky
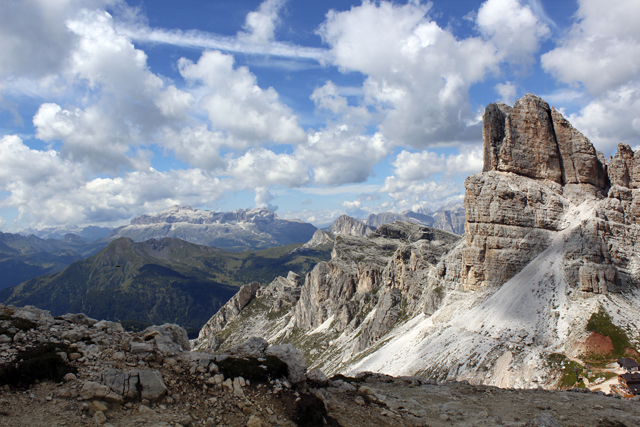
x=114 y=108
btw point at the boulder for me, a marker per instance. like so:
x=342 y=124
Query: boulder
x=153 y=387
x=131 y=385
x=169 y=339
x=253 y=347
x=293 y=358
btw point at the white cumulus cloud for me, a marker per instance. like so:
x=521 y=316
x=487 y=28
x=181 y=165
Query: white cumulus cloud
x=601 y=53
x=237 y=105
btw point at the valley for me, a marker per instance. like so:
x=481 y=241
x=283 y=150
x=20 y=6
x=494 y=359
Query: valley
x=157 y=281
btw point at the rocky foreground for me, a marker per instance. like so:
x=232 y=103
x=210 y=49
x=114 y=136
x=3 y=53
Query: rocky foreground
x=103 y=375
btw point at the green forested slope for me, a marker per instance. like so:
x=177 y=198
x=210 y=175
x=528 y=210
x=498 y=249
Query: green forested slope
x=157 y=281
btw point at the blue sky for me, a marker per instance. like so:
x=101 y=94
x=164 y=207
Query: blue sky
x=112 y=108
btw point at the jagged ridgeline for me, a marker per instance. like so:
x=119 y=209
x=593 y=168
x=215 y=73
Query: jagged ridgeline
x=549 y=258
x=157 y=281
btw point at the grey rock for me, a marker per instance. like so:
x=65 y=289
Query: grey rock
x=346 y=225
x=111 y=327
x=317 y=376
x=253 y=347
x=141 y=347
x=225 y=314
x=153 y=387
x=79 y=319
x=169 y=339
x=293 y=358
x=242 y=228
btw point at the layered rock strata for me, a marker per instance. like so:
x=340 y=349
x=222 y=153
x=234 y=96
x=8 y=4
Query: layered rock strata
x=346 y=225
x=550 y=239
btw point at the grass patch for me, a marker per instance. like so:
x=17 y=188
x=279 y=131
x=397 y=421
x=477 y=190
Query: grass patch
x=601 y=323
x=40 y=363
x=570 y=370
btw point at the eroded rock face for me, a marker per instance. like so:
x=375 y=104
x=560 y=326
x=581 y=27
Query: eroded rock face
x=536 y=141
x=345 y=225
x=510 y=219
x=581 y=164
x=529 y=146
x=227 y=313
x=550 y=230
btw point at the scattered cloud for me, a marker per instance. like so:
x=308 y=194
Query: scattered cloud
x=237 y=105
x=102 y=111
x=417 y=74
x=601 y=53
x=515 y=29
x=260 y=25
x=47 y=189
x=507 y=92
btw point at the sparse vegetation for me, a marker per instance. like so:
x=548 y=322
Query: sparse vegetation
x=601 y=323
x=570 y=370
x=129 y=282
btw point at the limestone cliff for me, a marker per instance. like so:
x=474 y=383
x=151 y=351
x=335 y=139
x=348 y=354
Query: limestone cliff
x=551 y=237
x=239 y=230
x=350 y=226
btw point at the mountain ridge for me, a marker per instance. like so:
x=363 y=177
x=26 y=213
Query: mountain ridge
x=156 y=281
x=550 y=232
x=242 y=229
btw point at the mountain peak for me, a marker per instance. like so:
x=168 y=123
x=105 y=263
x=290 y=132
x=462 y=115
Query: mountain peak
x=350 y=226
x=241 y=229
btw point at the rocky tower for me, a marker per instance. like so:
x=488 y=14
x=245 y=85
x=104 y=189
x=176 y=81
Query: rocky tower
x=551 y=237
x=536 y=167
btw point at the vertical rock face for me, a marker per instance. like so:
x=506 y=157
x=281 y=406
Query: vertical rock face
x=536 y=141
x=350 y=226
x=511 y=218
x=529 y=146
x=493 y=133
x=552 y=234
x=580 y=161
x=225 y=314
x=624 y=168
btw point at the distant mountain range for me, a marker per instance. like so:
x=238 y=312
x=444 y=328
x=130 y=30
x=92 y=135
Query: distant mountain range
x=50 y=250
x=239 y=230
x=449 y=218
x=157 y=281
x=22 y=258
x=87 y=234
